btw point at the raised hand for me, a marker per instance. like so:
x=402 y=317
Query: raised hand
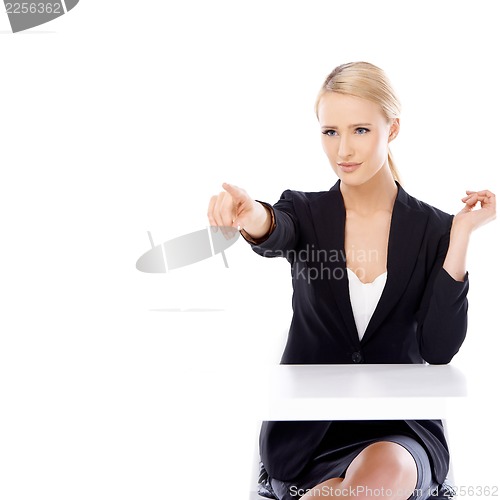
x=233 y=207
x=471 y=219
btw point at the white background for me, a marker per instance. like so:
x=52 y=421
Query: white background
x=122 y=117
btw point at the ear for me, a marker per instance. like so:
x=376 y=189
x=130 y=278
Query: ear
x=394 y=130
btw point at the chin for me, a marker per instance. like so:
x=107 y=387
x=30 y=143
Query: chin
x=351 y=179
x=357 y=178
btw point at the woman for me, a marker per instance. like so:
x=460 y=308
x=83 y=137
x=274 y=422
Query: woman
x=378 y=277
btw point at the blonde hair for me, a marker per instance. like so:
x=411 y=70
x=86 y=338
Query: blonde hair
x=365 y=80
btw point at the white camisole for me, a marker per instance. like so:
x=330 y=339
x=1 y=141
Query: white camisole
x=364 y=298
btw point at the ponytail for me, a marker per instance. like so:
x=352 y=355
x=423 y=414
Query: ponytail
x=394 y=169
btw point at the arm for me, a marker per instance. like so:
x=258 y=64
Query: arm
x=283 y=233
x=464 y=223
x=454 y=263
x=442 y=316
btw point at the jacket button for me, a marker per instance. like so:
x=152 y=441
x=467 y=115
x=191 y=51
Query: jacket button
x=357 y=357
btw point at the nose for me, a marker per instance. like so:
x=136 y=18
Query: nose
x=345 y=147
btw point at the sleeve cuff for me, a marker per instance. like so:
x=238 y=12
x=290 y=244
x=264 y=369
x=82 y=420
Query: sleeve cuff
x=448 y=290
x=449 y=277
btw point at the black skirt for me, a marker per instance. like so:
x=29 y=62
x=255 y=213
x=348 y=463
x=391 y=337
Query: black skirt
x=338 y=449
x=286 y=447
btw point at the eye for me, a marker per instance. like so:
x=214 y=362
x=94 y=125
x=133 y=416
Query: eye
x=362 y=130
x=330 y=133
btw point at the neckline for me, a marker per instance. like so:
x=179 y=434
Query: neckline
x=369 y=283
x=398 y=198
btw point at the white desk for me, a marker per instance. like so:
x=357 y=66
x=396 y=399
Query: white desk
x=358 y=392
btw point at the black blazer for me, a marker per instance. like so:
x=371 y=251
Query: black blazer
x=421 y=316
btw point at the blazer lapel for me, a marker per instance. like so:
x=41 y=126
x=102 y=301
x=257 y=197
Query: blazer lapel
x=405 y=236
x=408 y=225
x=328 y=215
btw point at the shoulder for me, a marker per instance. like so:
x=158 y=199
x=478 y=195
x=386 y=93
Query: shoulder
x=304 y=196
x=303 y=199
x=437 y=218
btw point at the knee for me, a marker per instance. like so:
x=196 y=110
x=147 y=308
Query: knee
x=391 y=457
x=384 y=464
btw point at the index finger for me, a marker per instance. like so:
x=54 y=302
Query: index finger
x=484 y=192
x=236 y=192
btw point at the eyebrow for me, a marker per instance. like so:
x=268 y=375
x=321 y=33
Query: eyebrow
x=350 y=126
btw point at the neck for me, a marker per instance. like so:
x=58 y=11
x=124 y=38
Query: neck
x=379 y=193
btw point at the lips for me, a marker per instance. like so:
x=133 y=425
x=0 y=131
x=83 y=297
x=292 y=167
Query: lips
x=348 y=166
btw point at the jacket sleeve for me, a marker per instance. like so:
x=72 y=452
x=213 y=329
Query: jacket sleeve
x=284 y=236
x=442 y=316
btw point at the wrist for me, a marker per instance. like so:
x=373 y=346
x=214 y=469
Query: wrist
x=460 y=230
x=262 y=225
x=263 y=216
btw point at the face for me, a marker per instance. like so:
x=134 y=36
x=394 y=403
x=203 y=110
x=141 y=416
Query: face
x=355 y=136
